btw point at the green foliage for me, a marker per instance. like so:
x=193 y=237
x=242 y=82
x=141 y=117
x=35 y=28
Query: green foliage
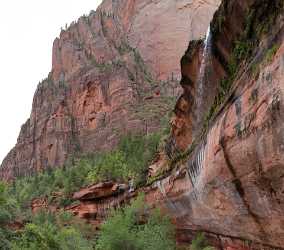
x=139 y=62
x=9 y=208
x=223 y=90
x=242 y=50
x=128 y=161
x=46 y=231
x=268 y=57
x=199 y=243
x=111 y=166
x=271 y=53
x=103 y=67
x=6 y=238
x=135 y=228
x=63 y=181
x=50 y=232
x=124 y=48
x=260 y=18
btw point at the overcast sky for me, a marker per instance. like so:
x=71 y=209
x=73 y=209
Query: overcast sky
x=27 y=31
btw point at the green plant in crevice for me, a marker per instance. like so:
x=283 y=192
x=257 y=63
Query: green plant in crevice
x=223 y=89
x=242 y=49
x=271 y=53
x=259 y=18
x=142 y=66
x=124 y=48
x=105 y=66
x=241 y=52
x=268 y=57
x=199 y=243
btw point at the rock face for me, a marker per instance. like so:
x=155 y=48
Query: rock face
x=96 y=200
x=230 y=184
x=113 y=71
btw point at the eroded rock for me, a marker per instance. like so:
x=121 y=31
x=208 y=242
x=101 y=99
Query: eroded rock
x=104 y=69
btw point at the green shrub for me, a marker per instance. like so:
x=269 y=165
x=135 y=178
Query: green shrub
x=270 y=53
x=135 y=228
x=129 y=161
x=50 y=232
x=9 y=207
x=6 y=238
x=199 y=243
x=111 y=166
x=62 y=180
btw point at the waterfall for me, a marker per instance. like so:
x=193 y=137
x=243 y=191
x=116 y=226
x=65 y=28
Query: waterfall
x=170 y=205
x=195 y=165
x=201 y=80
x=161 y=188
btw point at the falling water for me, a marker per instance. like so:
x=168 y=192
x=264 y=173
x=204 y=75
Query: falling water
x=201 y=81
x=169 y=203
x=195 y=165
x=161 y=188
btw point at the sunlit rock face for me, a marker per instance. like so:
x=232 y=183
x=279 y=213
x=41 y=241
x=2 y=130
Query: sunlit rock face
x=114 y=71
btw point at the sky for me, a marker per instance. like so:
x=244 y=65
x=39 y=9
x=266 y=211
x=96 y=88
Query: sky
x=27 y=31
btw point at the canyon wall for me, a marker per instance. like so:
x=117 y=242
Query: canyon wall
x=114 y=71
x=222 y=170
x=229 y=183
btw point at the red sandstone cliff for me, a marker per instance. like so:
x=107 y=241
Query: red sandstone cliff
x=113 y=71
x=230 y=183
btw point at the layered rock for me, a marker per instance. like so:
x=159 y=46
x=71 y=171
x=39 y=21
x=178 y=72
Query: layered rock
x=230 y=182
x=97 y=200
x=231 y=186
x=113 y=71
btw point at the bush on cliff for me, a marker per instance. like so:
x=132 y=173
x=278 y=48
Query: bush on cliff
x=63 y=181
x=49 y=232
x=129 y=161
x=9 y=208
x=136 y=228
x=199 y=243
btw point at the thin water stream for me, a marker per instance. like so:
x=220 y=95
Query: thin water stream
x=202 y=79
